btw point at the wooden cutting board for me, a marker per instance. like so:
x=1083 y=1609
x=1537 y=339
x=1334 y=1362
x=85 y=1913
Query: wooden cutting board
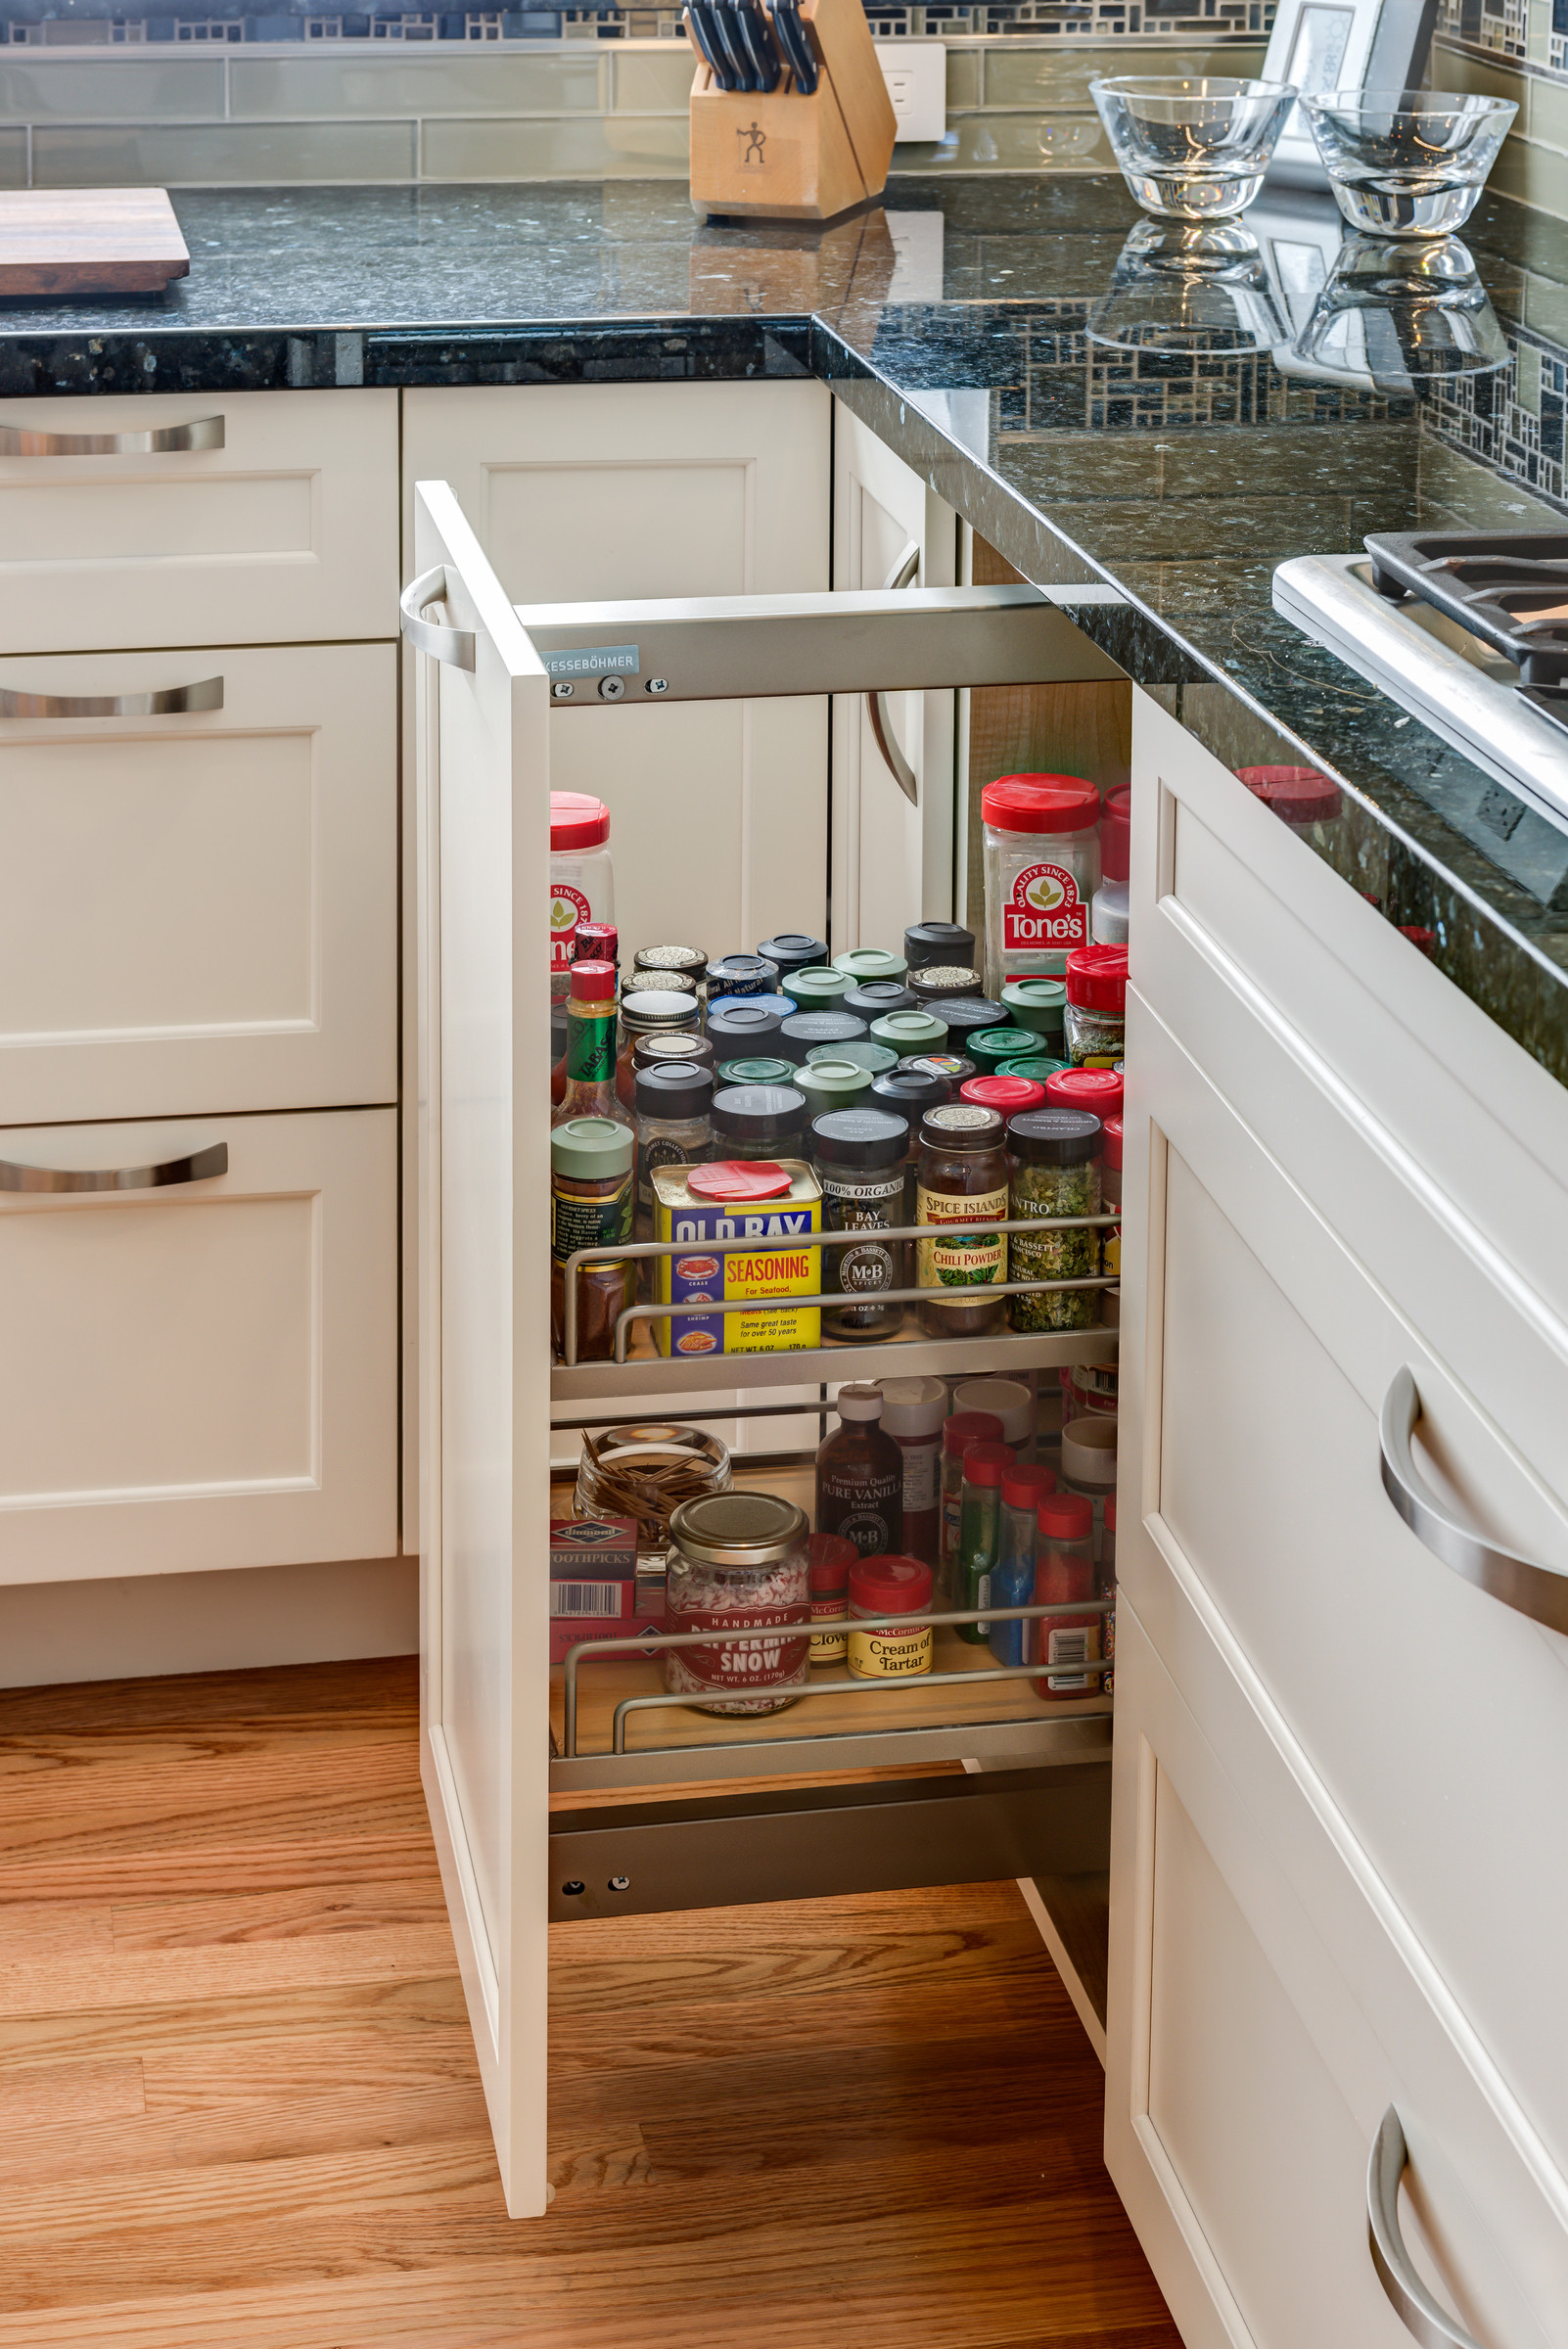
x=89 y=240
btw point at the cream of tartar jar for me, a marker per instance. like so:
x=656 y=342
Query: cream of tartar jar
x=884 y=1591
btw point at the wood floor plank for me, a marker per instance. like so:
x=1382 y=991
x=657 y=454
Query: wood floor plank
x=240 y=2107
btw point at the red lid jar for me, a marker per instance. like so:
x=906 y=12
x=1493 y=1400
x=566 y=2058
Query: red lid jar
x=1098 y=1091
x=1096 y=978
x=1299 y=795
x=882 y=1590
x=1011 y=1094
x=577 y=820
x=1042 y=867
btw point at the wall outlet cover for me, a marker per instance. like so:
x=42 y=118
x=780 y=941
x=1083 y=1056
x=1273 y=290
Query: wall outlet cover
x=917 y=75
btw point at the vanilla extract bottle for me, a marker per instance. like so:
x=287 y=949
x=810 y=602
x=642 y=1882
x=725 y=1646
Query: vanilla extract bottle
x=860 y=1477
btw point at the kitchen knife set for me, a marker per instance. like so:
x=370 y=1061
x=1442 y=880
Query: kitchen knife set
x=749 y=48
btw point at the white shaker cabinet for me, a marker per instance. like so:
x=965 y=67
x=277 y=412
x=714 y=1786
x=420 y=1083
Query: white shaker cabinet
x=1317 y=1718
x=198 y=903
x=257 y=518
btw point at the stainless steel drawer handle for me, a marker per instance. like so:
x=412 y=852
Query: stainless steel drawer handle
x=207 y=694
x=168 y=439
x=1518 y=1581
x=199 y=1167
x=1408 y=2295
x=454 y=646
x=903 y=573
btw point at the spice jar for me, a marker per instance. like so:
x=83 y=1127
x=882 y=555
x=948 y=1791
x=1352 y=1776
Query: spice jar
x=1111 y=1195
x=1038 y=1072
x=980 y=1531
x=1098 y=1091
x=674 y=1111
x=738 y=1561
x=818 y=988
x=964 y=1016
x=591 y=1206
x=926 y=942
x=831 y=1558
x=866 y=1055
x=1088 y=1464
x=859 y=1475
x=1053 y=1158
x=792 y=950
x=1042 y=866
x=1063 y=1571
x=1037 y=1005
x=1009 y=1403
x=961 y=1179
x=807 y=1032
x=830 y=1084
x=740 y=1027
x=860 y=963
x=1096 y=1006
x=859 y=1155
x=954 y=1066
x=871 y=999
x=958 y=1433
x=651 y=1011
x=1023 y=1488
x=910 y=1096
x=670 y=963
x=682 y=1051
x=1109 y=910
x=1010 y=1095
x=741 y=975
x=590 y=1089
x=753 y=1072
x=988 y=1048
x=884 y=1593
x=909 y=1034
x=759 y=1120
x=1310 y=803
x=913 y=1413
x=944 y=983
x=582 y=879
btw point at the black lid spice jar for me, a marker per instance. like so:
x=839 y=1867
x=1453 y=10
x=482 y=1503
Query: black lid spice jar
x=681 y=1051
x=800 y=1035
x=793 y=951
x=739 y=1028
x=859 y=1155
x=870 y=999
x=741 y=975
x=673 y=1106
x=1054 y=1165
x=926 y=942
x=961 y=1179
x=968 y=1014
x=908 y=1093
x=759 y=1120
x=690 y=961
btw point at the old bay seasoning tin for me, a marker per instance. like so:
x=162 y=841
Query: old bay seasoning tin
x=747 y=1228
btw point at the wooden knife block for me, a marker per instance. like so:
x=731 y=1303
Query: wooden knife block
x=785 y=156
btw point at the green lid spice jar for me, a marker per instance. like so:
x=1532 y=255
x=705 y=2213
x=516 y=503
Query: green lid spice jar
x=591 y=1205
x=860 y=963
x=1054 y=1157
x=859 y=1155
x=756 y=1071
x=829 y=1084
x=872 y=1057
x=910 y=1033
x=1096 y=1006
x=961 y=1179
x=1037 y=1005
x=812 y=1031
x=988 y=1048
x=817 y=987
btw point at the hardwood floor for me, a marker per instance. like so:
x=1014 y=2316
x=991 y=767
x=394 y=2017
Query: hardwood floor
x=239 y=2107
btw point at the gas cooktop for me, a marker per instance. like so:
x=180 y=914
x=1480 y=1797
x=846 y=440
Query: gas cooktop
x=1508 y=588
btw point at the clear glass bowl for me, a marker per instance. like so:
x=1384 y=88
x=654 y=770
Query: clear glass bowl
x=1394 y=314
x=1181 y=289
x=1407 y=163
x=1191 y=149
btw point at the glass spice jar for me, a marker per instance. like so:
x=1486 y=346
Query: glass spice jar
x=817 y=987
x=961 y=1179
x=944 y=983
x=808 y=1032
x=759 y=1120
x=1053 y=1158
x=913 y=1413
x=670 y=1051
x=743 y=1026
x=792 y=950
x=674 y=1108
x=666 y=962
x=741 y=975
x=1037 y=1005
x=908 y=1096
x=964 y=1016
x=1098 y=1091
x=884 y=1593
x=871 y=999
x=739 y=1561
x=831 y=1558
x=1042 y=867
x=830 y=1084
x=1011 y=1096
x=1114 y=1135
x=1024 y=1487
x=651 y=1011
x=959 y=1432
x=1064 y=1572
x=988 y=1048
x=591 y=1205
x=753 y=1072
x=910 y=1033
x=858 y=1157
x=980 y=1531
x=873 y=1057
x=1096 y=1006
x=860 y=963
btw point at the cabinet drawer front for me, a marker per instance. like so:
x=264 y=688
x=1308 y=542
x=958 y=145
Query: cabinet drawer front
x=201 y=1374
x=1436 y=1717
x=198 y=908
x=285 y=532
x=1261 y=2026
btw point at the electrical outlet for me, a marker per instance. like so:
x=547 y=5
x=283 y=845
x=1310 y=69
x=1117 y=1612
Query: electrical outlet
x=917 y=75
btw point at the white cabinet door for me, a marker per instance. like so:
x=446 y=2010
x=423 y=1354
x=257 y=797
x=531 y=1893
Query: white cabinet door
x=719 y=810
x=892 y=857
x=283 y=531
x=201 y=1374
x=481 y=845
x=198 y=910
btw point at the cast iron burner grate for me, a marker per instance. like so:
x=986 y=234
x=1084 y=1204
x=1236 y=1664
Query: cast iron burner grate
x=1508 y=588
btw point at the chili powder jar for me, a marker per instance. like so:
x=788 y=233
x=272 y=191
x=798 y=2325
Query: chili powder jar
x=961 y=1179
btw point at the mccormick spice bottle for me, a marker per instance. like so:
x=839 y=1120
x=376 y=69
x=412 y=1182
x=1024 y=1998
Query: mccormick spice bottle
x=961 y=1179
x=859 y=1476
x=831 y=1559
x=959 y=1432
x=980 y=1531
x=1042 y=867
x=887 y=1594
x=1064 y=1570
x=859 y=1156
x=1023 y=1488
x=913 y=1413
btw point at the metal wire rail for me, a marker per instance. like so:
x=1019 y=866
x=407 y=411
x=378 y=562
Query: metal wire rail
x=813 y=1628
x=608 y=1252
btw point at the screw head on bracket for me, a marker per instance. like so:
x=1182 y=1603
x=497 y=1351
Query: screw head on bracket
x=621 y=1883
x=563 y=689
x=572 y=1886
x=657 y=685
x=612 y=689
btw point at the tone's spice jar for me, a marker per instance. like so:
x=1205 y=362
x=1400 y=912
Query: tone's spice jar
x=884 y=1593
x=961 y=1179
x=1054 y=1160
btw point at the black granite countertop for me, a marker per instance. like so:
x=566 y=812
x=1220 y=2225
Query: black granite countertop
x=1182 y=482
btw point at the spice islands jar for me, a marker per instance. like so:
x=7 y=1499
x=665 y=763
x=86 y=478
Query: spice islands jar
x=961 y=1179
